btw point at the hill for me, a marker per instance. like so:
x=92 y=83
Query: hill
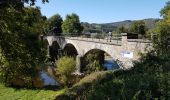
x=107 y=27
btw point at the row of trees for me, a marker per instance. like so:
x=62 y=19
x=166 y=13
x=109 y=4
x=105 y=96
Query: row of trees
x=137 y=27
x=70 y=26
x=97 y=28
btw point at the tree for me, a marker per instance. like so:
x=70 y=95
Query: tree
x=138 y=27
x=65 y=67
x=19 y=42
x=72 y=25
x=121 y=29
x=93 y=66
x=164 y=12
x=93 y=61
x=162 y=39
x=31 y=2
x=54 y=24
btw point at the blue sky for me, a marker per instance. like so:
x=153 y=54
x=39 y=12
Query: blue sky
x=104 y=11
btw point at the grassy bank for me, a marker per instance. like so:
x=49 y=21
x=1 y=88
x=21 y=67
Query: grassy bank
x=148 y=80
x=8 y=93
x=84 y=84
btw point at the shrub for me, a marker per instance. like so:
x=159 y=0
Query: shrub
x=3 y=64
x=93 y=63
x=65 y=67
x=93 y=67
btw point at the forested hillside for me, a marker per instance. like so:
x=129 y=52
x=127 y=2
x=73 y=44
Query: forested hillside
x=106 y=27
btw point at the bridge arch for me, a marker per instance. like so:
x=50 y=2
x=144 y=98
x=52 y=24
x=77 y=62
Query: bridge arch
x=97 y=54
x=95 y=50
x=54 y=50
x=101 y=48
x=105 y=59
x=70 y=50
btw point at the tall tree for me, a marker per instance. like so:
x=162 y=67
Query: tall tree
x=72 y=25
x=19 y=42
x=54 y=24
x=138 y=27
x=162 y=39
x=121 y=29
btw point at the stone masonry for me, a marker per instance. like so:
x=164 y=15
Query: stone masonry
x=127 y=51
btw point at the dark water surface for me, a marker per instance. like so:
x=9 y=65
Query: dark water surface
x=110 y=64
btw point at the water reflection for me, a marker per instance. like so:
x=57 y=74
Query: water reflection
x=47 y=79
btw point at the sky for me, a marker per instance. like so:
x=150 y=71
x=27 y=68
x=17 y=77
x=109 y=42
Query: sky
x=104 y=11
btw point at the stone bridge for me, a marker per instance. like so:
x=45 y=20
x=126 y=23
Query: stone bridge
x=125 y=50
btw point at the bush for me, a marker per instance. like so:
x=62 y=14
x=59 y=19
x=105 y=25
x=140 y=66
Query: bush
x=93 y=63
x=65 y=67
x=3 y=64
x=93 y=67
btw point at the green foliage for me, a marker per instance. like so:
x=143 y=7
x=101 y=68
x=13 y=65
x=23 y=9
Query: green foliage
x=19 y=41
x=3 y=64
x=55 y=21
x=149 y=79
x=164 y=12
x=9 y=93
x=97 y=28
x=112 y=27
x=149 y=34
x=121 y=29
x=93 y=62
x=31 y=2
x=93 y=67
x=72 y=25
x=138 y=27
x=65 y=67
x=162 y=39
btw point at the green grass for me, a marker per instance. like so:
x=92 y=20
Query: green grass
x=84 y=84
x=9 y=93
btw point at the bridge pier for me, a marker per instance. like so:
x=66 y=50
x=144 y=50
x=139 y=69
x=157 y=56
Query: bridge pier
x=78 y=64
x=48 y=51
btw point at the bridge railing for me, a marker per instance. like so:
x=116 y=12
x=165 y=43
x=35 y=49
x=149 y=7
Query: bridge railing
x=102 y=38
x=139 y=40
x=115 y=39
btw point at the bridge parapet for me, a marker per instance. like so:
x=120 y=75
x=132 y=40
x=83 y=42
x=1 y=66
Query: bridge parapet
x=114 y=40
x=102 y=38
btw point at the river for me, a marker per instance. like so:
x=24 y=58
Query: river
x=110 y=64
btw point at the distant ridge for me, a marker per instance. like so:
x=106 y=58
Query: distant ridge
x=105 y=27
